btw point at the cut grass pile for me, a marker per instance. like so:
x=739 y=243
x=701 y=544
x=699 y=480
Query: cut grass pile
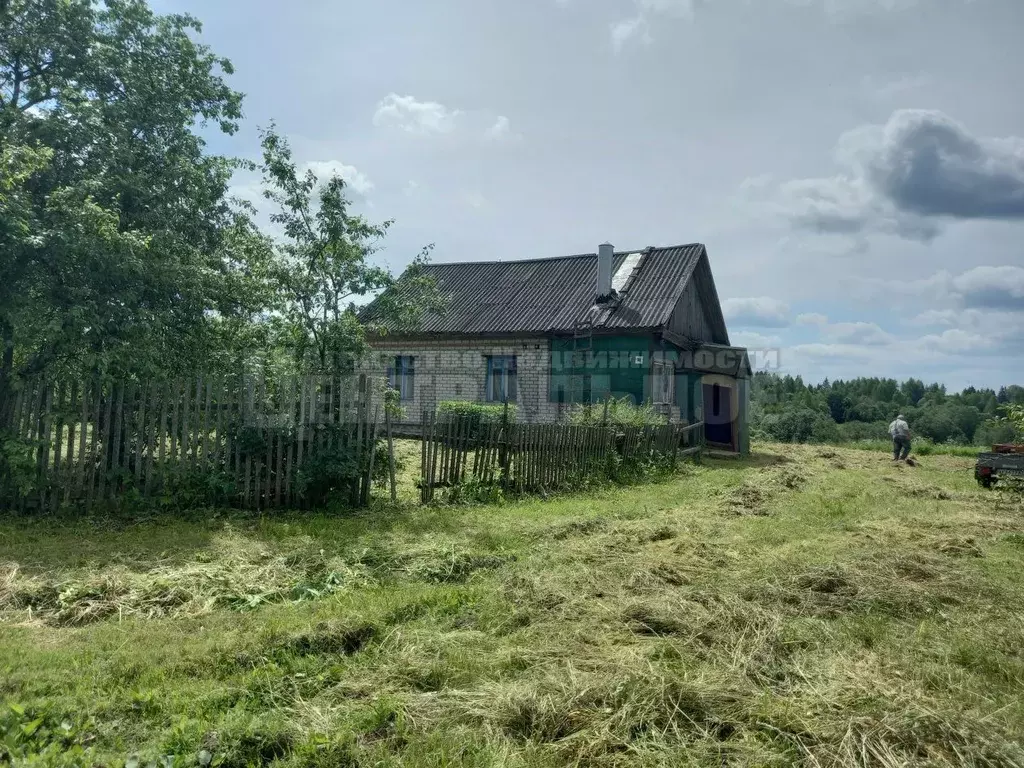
x=808 y=606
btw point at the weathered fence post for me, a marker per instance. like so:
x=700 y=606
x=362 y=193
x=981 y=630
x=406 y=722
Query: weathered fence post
x=372 y=433
x=504 y=445
x=391 y=453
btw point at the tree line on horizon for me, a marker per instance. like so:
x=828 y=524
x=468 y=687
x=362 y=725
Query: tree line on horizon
x=786 y=409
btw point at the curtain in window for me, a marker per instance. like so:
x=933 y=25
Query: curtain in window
x=401 y=376
x=501 y=378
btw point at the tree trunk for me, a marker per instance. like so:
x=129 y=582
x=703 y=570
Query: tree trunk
x=6 y=372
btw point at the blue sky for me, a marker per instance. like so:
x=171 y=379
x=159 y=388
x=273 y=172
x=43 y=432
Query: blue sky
x=855 y=167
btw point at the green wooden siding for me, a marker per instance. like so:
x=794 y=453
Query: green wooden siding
x=618 y=366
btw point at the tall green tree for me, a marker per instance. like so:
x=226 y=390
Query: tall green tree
x=326 y=265
x=117 y=256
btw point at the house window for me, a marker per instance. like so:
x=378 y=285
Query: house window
x=401 y=375
x=501 y=378
x=662 y=390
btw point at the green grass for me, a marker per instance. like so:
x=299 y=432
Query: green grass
x=807 y=606
x=919 y=448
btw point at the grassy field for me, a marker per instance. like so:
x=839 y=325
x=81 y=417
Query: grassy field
x=921 y=448
x=808 y=606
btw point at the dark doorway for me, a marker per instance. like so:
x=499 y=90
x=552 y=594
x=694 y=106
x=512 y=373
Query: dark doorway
x=718 y=415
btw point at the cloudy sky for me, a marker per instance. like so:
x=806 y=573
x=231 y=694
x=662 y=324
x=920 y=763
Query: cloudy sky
x=855 y=167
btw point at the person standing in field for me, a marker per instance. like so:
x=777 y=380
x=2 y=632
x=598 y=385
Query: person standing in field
x=900 y=432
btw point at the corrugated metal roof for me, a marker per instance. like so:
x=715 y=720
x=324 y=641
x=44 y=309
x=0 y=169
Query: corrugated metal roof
x=541 y=296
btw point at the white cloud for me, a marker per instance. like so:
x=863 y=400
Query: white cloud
x=500 y=129
x=761 y=181
x=430 y=118
x=681 y=8
x=638 y=26
x=984 y=287
x=999 y=326
x=634 y=28
x=831 y=351
x=908 y=177
x=953 y=341
x=936 y=317
x=811 y=318
x=869 y=334
x=411 y=188
x=754 y=340
x=894 y=87
x=354 y=179
x=758 y=312
x=845 y=9
x=847 y=347
x=994 y=287
x=251 y=192
x=420 y=117
x=934 y=289
x=474 y=199
x=646 y=12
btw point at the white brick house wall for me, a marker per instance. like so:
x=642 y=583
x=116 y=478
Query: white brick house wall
x=457 y=370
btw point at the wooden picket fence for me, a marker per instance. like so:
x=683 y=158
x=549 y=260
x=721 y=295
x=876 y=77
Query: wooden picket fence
x=242 y=442
x=536 y=457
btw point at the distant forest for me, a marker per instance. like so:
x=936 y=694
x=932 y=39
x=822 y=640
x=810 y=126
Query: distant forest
x=785 y=408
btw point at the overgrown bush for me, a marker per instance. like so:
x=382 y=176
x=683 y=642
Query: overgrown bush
x=331 y=466
x=621 y=412
x=17 y=464
x=860 y=430
x=332 y=469
x=393 y=404
x=789 y=426
x=824 y=430
x=996 y=431
x=195 y=487
x=477 y=414
x=1009 y=425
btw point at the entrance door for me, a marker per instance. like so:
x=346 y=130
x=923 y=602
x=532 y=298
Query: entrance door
x=718 y=414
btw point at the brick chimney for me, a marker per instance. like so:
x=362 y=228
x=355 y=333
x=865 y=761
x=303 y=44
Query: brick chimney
x=605 y=253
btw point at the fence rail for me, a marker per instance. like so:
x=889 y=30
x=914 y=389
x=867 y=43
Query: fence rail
x=536 y=457
x=244 y=441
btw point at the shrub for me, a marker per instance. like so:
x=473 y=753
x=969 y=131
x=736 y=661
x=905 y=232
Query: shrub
x=393 y=404
x=193 y=487
x=861 y=430
x=621 y=413
x=824 y=430
x=18 y=464
x=1009 y=425
x=332 y=469
x=792 y=425
x=477 y=414
x=996 y=431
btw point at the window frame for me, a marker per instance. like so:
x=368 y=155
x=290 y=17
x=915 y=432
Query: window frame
x=506 y=368
x=663 y=378
x=402 y=377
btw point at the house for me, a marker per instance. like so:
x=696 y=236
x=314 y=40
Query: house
x=549 y=333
